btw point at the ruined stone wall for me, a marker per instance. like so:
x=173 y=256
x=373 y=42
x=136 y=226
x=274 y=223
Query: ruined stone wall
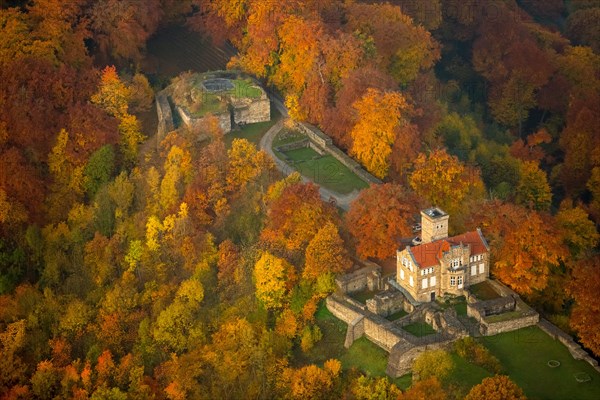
x=321 y=139
x=357 y=280
x=340 y=310
x=402 y=357
x=165 y=115
x=387 y=303
x=255 y=110
x=577 y=352
x=199 y=123
x=494 y=328
x=356 y=329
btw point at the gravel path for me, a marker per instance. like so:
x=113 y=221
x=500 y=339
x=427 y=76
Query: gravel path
x=266 y=143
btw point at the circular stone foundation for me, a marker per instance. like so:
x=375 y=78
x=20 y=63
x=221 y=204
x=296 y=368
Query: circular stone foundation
x=582 y=377
x=553 y=363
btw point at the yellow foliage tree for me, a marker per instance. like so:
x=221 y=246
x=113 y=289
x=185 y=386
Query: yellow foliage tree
x=273 y=277
x=131 y=136
x=444 y=181
x=325 y=253
x=113 y=95
x=379 y=116
x=245 y=163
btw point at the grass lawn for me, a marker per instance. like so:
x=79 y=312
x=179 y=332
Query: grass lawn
x=461 y=308
x=525 y=354
x=245 y=88
x=419 y=329
x=325 y=170
x=464 y=375
x=362 y=355
x=484 y=291
x=396 y=315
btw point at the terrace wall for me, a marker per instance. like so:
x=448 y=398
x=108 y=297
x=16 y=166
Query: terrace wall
x=574 y=348
x=321 y=139
x=165 y=115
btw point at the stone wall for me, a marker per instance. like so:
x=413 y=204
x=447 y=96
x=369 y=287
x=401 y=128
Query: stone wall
x=165 y=115
x=402 y=357
x=252 y=110
x=574 y=348
x=361 y=279
x=200 y=123
x=388 y=303
x=494 y=328
x=361 y=322
x=321 y=139
x=356 y=329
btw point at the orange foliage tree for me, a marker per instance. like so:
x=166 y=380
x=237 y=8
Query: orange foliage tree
x=585 y=317
x=498 y=387
x=325 y=253
x=310 y=382
x=525 y=244
x=379 y=117
x=295 y=217
x=379 y=218
x=444 y=181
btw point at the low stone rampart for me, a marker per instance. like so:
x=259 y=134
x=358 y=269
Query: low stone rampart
x=321 y=139
x=402 y=357
x=165 y=115
x=577 y=352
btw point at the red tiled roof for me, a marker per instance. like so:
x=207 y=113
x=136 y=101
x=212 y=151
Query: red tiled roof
x=428 y=254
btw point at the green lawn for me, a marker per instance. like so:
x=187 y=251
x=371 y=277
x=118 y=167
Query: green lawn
x=525 y=354
x=419 y=329
x=464 y=375
x=324 y=170
x=245 y=88
x=362 y=355
x=396 y=315
x=484 y=291
x=461 y=308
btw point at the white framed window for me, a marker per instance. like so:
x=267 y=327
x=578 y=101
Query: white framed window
x=452 y=281
x=460 y=282
x=432 y=281
x=481 y=268
x=404 y=261
x=473 y=270
x=401 y=274
x=424 y=284
x=411 y=281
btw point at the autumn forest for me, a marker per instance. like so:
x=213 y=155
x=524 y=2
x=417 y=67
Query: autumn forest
x=133 y=267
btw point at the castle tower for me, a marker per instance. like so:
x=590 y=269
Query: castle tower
x=434 y=224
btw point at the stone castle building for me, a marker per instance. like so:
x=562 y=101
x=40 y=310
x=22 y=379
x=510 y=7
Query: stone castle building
x=441 y=264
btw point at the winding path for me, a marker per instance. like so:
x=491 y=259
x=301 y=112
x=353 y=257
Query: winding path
x=266 y=143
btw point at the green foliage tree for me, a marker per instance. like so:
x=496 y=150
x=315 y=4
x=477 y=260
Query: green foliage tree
x=99 y=169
